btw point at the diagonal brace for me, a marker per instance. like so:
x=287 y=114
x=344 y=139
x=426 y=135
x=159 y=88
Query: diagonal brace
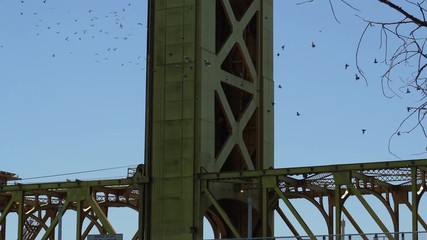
x=370 y=210
x=222 y=213
x=101 y=216
x=295 y=213
x=55 y=221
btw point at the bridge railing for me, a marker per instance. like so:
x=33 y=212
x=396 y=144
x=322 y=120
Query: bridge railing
x=356 y=236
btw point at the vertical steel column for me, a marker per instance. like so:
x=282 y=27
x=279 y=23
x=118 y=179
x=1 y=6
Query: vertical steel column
x=79 y=219
x=414 y=198
x=141 y=212
x=209 y=94
x=60 y=209
x=250 y=202
x=3 y=230
x=264 y=208
x=19 y=199
x=338 y=211
x=171 y=105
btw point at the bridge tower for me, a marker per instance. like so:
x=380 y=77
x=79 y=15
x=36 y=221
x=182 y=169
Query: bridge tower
x=209 y=109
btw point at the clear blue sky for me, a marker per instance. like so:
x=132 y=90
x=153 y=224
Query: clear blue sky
x=72 y=88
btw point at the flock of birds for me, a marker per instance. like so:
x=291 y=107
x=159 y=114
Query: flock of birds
x=70 y=29
x=112 y=26
x=346 y=66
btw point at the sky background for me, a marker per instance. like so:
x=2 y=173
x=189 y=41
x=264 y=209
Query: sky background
x=72 y=88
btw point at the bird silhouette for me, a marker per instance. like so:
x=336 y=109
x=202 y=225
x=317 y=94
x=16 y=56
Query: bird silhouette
x=298 y=114
x=280 y=86
x=346 y=66
x=375 y=60
x=357 y=77
x=407 y=90
x=363 y=131
x=93 y=21
x=313 y=45
x=398 y=133
x=283 y=47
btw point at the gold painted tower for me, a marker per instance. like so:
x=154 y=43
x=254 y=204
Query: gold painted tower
x=209 y=109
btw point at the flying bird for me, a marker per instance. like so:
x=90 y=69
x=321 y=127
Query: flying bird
x=346 y=66
x=357 y=77
x=407 y=90
x=375 y=60
x=363 y=131
x=298 y=114
x=313 y=45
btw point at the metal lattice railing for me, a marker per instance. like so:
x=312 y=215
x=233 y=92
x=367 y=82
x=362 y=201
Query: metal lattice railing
x=367 y=236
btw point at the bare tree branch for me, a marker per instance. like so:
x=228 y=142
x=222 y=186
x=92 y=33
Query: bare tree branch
x=403 y=42
x=405 y=13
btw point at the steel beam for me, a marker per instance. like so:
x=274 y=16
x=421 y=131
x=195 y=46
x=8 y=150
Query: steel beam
x=312 y=169
x=420 y=219
x=295 y=213
x=354 y=223
x=55 y=221
x=287 y=222
x=101 y=216
x=221 y=212
x=414 y=200
x=370 y=210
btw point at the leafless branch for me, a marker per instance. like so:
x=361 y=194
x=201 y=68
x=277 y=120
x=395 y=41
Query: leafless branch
x=403 y=42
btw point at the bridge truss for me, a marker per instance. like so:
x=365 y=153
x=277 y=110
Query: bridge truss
x=395 y=184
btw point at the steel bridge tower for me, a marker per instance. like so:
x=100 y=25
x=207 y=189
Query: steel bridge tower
x=209 y=109
x=209 y=149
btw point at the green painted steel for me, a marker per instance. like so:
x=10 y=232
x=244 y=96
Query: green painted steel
x=371 y=212
x=315 y=169
x=39 y=204
x=295 y=213
x=209 y=109
x=209 y=139
x=171 y=164
x=222 y=213
x=74 y=184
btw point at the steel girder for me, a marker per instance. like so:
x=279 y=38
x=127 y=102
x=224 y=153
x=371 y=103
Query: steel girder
x=395 y=184
x=40 y=206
